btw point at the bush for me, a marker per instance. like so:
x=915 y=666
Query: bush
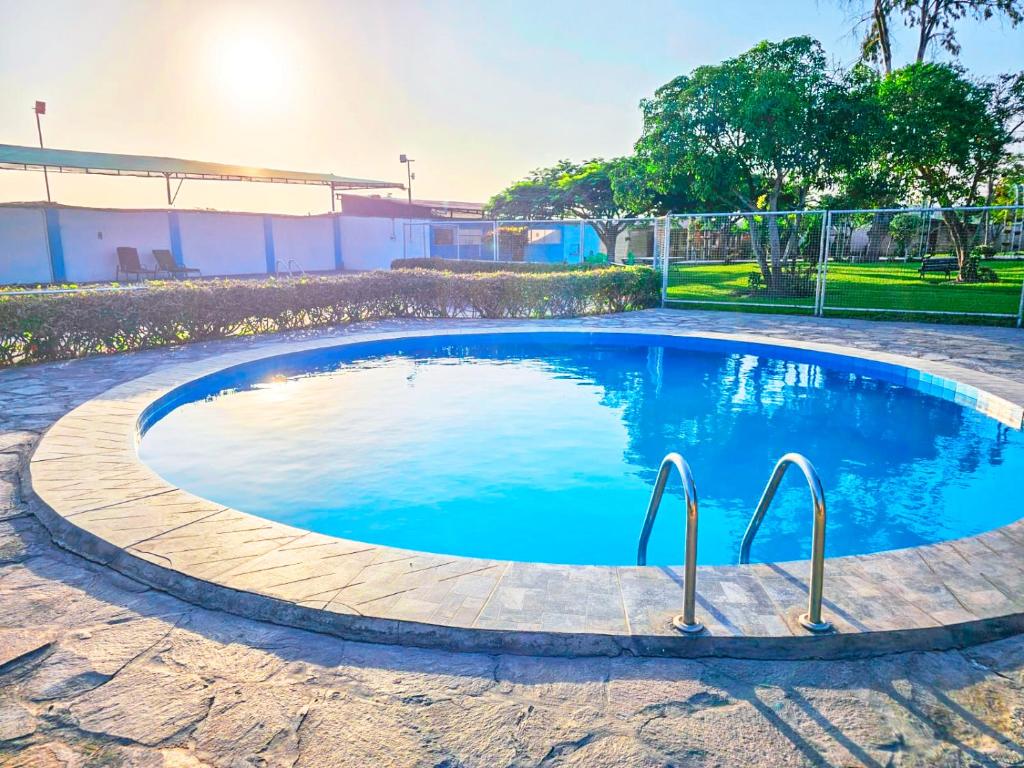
x=973 y=272
x=789 y=285
x=464 y=266
x=40 y=327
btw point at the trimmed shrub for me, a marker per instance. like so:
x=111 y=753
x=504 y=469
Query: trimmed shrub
x=40 y=327
x=464 y=266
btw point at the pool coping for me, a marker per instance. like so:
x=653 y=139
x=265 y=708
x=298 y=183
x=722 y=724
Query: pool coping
x=98 y=499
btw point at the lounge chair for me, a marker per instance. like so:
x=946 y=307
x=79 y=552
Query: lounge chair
x=128 y=264
x=165 y=263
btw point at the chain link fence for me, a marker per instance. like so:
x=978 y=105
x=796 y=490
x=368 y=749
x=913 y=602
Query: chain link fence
x=910 y=263
x=926 y=261
x=899 y=263
x=753 y=260
x=569 y=241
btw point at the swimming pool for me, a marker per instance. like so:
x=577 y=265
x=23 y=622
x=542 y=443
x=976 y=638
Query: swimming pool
x=544 y=446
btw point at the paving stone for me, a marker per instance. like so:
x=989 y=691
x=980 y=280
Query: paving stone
x=16 y=721
x=89 y=657
x=146 y=705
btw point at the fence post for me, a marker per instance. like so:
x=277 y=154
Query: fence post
x=664 y=257
x=824 y=248
x=1020 y=307
x=494 y=239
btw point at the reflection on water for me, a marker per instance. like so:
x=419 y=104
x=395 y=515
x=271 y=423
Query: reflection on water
x=548 y=453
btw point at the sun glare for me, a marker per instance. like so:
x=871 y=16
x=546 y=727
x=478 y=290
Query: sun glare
x=252 y=69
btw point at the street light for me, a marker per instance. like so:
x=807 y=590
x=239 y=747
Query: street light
x=408 y=173
x=40 y=109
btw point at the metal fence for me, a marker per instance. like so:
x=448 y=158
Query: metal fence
x=572 y=241
x=900 y=262
x=897 y=262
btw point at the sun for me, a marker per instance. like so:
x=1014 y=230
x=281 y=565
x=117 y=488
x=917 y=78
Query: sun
x=252 y=69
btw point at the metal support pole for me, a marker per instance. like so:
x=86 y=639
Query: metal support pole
x=664 y=280
x=494 y=238
x=687 y=621
x=822 y=237
x=825 y=249
x=39 y=130
x=1017 y=229
x=1020 y=307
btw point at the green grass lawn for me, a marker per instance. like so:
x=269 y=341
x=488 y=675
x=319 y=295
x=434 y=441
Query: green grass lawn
x=878 y=286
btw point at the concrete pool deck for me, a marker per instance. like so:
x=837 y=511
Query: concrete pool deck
x=99 y=500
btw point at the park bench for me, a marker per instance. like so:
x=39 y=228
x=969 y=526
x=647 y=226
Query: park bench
x=946 y=264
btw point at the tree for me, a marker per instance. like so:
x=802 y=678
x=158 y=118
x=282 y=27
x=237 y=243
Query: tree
x=947 y=135
x=568 y=189
x=935 y=22
x=764 y=129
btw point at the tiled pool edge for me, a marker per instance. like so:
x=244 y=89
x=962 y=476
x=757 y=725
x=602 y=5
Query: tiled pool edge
x=99 y=446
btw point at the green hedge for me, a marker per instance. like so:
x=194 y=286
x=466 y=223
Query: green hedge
x=465 y=266
x=37 y=328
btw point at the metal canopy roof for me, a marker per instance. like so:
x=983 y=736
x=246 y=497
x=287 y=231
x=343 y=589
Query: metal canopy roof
x=14 y=157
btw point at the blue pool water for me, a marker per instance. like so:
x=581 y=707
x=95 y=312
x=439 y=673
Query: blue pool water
x=545 y=447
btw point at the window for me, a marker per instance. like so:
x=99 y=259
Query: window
x=442 y=236
x=549 y=236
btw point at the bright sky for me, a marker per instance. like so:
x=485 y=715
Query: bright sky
x=477 y=93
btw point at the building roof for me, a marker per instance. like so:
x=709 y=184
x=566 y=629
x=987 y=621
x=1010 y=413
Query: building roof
x=13 y=157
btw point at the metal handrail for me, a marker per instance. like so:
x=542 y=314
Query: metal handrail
x=812 y=619
x=288 y=267
x=685 y=622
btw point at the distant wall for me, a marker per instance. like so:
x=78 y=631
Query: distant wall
x=223 y=244
x=309 y=242
x=41 y=244
x=24 y=254
x=373 y=243
x=90 y=239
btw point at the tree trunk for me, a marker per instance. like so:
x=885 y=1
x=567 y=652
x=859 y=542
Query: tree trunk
x=958 y=233
x=876 y=236
x=608 y=234
x=758 y=249
x=775 y=249
x=881 y=14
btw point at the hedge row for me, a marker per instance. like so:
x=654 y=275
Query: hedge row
x=465 y=266
x=37 y=328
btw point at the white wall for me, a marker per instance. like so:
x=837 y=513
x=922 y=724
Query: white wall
x=308 y=240
x=216 y=243
x=371 y=243
x=24 y=253
x=222 y=243
x=91 y=239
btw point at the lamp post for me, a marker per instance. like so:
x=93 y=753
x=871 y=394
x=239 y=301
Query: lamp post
x=40 y=109
x=408 y=173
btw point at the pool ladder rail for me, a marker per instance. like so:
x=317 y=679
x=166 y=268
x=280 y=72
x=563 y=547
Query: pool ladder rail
x=288 y=267
x=687 y=621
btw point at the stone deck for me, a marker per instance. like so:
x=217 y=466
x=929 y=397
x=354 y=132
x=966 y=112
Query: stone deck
x=99 y=500
x=99 y=670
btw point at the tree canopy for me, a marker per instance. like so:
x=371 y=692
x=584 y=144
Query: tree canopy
x=568 y=189
x=778 y=128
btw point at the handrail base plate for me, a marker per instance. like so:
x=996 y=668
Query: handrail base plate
x=816 y=627
x=689 y=629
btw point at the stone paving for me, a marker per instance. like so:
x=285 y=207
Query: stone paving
x=101 y=501
x=98 y=670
